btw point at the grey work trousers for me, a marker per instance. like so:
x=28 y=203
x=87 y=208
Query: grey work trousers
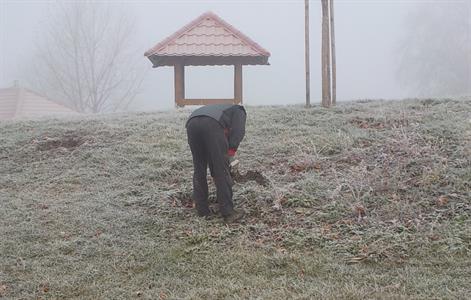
x=209 y=146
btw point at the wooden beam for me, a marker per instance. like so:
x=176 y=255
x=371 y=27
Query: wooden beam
x=332 y=49
x=306 y=53
x=179 y=71
x=207 y=60
x=326 y=79
x=207 y=101
x=238 y=84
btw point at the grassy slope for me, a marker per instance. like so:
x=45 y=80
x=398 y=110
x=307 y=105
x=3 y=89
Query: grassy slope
x=375 y=196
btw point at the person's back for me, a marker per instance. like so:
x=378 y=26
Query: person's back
x=214 y=134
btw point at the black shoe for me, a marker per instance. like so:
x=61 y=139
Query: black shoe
x=234 y=216
x=203 y=214
x=207 y=214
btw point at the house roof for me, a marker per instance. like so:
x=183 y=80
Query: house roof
x=19 y=102
x=207 y=40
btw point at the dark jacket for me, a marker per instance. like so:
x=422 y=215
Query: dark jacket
x=231 y=117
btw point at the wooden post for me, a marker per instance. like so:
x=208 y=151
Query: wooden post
x=238 y=84
x=332 y=49
x=306 y=53
x=326 y=99
x=179 y=71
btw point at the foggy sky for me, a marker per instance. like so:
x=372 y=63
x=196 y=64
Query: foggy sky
x=367 y=35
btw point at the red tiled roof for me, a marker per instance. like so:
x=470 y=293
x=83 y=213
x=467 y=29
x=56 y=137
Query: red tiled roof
x=23 y=103
x=208 y=35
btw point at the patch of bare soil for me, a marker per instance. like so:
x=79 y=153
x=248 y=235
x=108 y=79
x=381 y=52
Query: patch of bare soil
x=250 y=175
x=182 y=199
x=304 y=165
x=68 y=141
x=373 y=123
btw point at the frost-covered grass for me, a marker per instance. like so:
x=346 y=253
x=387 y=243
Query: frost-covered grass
x=375 y=203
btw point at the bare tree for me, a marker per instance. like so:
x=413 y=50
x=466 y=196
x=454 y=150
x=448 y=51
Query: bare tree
x=435 y=52
x=86 y=58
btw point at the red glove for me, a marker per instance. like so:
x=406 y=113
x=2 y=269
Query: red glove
x=231 y=152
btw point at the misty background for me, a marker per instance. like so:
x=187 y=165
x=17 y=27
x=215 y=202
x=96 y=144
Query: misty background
x=385 y=49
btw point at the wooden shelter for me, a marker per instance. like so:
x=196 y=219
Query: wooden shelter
x=207 y=41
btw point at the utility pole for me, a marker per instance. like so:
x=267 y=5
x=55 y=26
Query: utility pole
x=306 y=53
x=332 y=49
x=325 y=53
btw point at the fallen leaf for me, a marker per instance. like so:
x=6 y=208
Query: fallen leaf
x=162 y=296
x=3 y=290
x=442 y=201
x=355 y=238
x=301 y=273
x=359 y=210
x=189 y=204
x=44 y=287
x=65 y=235
x=43 y=206
x=326 y=228
x=297 y=168
x=357 y=259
